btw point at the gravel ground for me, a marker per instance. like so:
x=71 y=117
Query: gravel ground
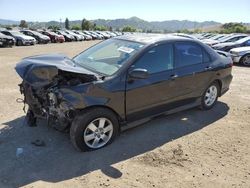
x=193 y=148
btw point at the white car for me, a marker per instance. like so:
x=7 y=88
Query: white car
x=213 y=40
x=241 y=55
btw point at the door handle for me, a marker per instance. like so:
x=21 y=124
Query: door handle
x=208 y=68
x=174 y=76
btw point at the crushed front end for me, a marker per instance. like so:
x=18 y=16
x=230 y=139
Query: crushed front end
x=44 y=86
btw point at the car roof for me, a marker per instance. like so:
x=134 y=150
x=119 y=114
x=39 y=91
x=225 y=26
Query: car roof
x=151 y=38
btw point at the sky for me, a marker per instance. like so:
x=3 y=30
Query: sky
x=151 y=10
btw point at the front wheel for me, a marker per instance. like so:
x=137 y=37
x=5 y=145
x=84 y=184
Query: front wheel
x=210 y=96
x=19 y=43
x=93 y=129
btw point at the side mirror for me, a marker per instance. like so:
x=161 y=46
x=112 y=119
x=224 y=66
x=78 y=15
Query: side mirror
x=139 y=74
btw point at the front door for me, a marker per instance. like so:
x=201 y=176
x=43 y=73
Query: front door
x=146 y=97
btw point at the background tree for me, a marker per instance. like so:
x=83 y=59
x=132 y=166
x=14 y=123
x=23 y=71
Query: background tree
x=23 y=24
x=100 y=28
x=86 y=25
x=54 y=27
x=82 y=24
x=233 y=28
x=67 y=23
x=76 y=27
x=128 y=29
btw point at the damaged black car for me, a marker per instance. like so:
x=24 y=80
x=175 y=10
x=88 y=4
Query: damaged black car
x=119 y=83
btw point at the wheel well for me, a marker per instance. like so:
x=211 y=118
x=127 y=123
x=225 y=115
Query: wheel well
x=104 y=107
x=243 y=57
x=220 y=84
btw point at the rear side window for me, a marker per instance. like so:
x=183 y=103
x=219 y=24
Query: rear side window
x=188 y=54
x=157 y=59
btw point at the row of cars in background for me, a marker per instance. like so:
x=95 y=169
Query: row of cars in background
x=235 y=45
x=9 y=38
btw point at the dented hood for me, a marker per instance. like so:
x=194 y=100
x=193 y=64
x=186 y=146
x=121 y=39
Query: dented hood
x=40 y=70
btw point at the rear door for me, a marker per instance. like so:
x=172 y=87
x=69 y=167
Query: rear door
x=193 y=67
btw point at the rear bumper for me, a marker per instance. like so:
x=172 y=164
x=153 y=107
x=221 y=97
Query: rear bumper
x=235 y=58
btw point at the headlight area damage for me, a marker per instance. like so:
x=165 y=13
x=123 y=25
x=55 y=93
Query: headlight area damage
x=45 y=85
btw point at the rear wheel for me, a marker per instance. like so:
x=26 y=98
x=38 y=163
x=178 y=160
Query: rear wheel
x=210 y=96
x=245 y=60
x=93 y=129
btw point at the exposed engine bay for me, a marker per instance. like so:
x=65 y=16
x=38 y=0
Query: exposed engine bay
x=41 y=87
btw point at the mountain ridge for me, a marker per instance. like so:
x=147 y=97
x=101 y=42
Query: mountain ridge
x=138 y=23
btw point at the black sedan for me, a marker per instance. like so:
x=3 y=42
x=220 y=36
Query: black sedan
x=227 y=46
x=68 y=37
x=112 y=85
x=6 y=41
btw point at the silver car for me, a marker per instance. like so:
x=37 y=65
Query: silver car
x=241 y=55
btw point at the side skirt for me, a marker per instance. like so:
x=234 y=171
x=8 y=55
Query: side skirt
x=136 y=123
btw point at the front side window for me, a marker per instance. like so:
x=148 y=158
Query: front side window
x=107 y=57
x=187 y=54
x=247 y=43
x=157 y=59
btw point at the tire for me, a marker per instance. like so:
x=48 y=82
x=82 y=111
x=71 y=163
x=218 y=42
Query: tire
x=85 y=137
x=245 y=60
x=19 y=43
x=210 y=96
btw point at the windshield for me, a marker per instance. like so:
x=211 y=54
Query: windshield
x=72 y=33
x=52 y=33
x=2 y=35
x=243 y=40
x=225 y=38
x=107 y=57
x=216 y=37
x=16 y=33
x=36 y=33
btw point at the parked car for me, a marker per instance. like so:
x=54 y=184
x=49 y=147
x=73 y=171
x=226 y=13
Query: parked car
x=53 y=36
x=229 y=38
x=99 y=36
x=227 y=46
x=67 y=37
x=111 y=34
x=40 y=38
x=117 y=33
x=103 y=34
x=213 y=40
x=112 y=85
x=20 y=38
x=241 y=55
x=6 y=40
x=86 y=37
x=184 y=35
x=205 y=36
x=94 y=36
x=77 y=36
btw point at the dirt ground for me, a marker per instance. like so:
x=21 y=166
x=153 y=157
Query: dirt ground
x=193 y=148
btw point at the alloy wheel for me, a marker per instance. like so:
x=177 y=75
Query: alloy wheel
x=211 y=95
x=98 y=133
x=246 y=60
